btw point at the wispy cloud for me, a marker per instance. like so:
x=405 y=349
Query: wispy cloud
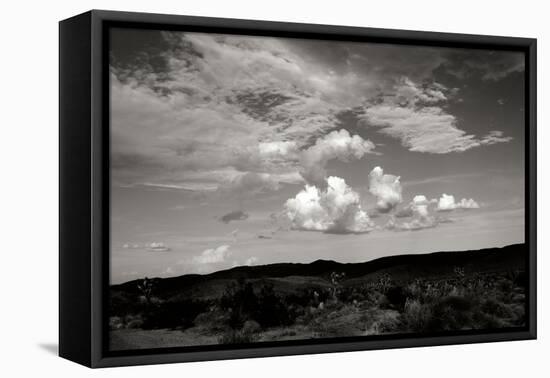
x=416 y=116
x=239 y=113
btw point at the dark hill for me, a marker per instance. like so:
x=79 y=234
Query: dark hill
x=512 y=257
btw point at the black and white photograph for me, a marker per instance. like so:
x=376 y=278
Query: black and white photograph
x=270 y=189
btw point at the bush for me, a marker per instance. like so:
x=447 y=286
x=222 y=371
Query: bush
x=176 y=314
x=266 y=308
x=452 y=313
x=416 y=316
x=397 y=297
x=250 y=326
x=241 y=302
x=115 y=322
x=232 y=336
x=496 y=308
x=272 y=310
x=133 y=321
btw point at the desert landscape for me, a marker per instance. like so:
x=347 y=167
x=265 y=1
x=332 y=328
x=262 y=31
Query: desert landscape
x=430 y=293
x=267 y=189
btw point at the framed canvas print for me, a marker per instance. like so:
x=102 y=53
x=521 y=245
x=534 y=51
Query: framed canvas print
x=234 y=188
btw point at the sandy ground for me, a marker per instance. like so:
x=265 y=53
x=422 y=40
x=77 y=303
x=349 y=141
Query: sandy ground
x=125 y=339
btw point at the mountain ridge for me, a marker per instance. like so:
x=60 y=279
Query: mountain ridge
x=421 y=265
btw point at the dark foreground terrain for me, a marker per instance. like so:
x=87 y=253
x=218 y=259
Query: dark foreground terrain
x=434 y=292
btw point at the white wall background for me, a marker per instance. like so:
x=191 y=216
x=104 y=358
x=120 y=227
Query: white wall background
x=29 y=189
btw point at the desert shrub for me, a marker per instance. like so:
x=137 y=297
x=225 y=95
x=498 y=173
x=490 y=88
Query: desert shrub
x=214 y=320
x=384 y=282
x=115 y=322
x=272 y=310
x=336 y=282
x=520 y=279
x=303 y=298
x=494 y=307
x=452 y=313
x=251 y=326
x=375 y=298
x=416 y=317
x=505 y=288
x=267 y=308
x=133 y=321
x=173 y=314
x=232 y=336
x=505 y=285
x=121 y=304
x=351 y=294
x=397 y=296
x=387 y=322
x=241 y=302
x=488 y=321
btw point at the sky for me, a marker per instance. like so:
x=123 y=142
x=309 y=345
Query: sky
x=231 y=150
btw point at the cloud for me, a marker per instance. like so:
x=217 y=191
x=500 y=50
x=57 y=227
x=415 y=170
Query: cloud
x=157 y=247
x=336 y=209
x=221 y=103
x=447 y=203
x=251 y=182
x=335 y=145
x=418 y=210
x=386 y=188
x=489 y=65
x=209 y=112
x=237 y=215
x=429 y=129
x=419 y=223
x=253 y=260
x=495 y=136
x=213 y=255
x=417 y=117
x=421 y=215
x=418 y=206
x=405 y=212
x=278 y=149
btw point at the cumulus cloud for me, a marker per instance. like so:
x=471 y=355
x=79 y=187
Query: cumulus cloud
x=418 y=224
x=213 y=255
x=335 y=145
x=419 y=212
x=237 y=215
x=386 y=188
x=447 y=203
x=253 y=260
x=336 y=209
x=405 y=212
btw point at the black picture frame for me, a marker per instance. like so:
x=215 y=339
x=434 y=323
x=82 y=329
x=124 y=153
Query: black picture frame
x=84 y=185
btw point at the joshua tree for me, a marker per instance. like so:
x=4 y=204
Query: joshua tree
x=336 y=280
x=384 y=282
x=146 y=288
x=459 y=272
